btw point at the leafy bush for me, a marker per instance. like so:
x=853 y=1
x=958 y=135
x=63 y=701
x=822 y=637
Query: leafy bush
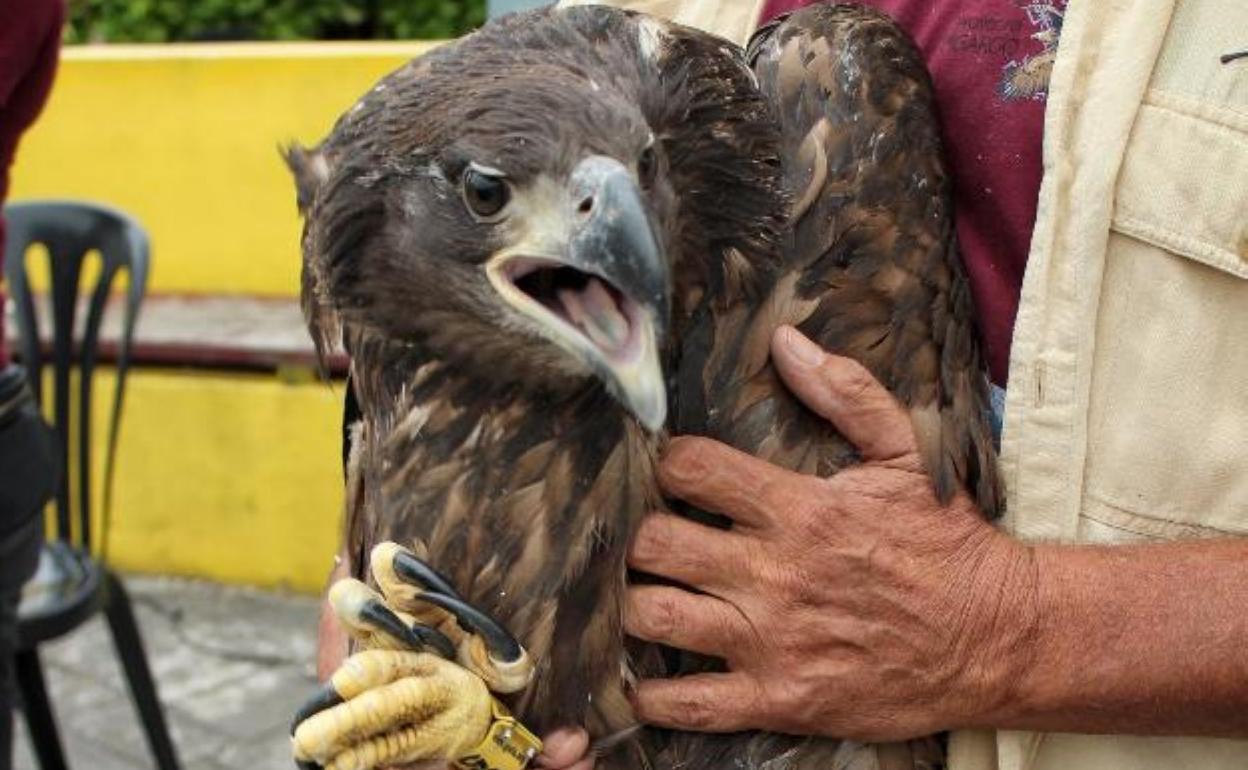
x=158 y=21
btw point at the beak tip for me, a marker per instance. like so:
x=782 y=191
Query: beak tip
x=654 y=416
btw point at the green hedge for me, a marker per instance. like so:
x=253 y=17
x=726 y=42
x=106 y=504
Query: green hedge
x=158 y=21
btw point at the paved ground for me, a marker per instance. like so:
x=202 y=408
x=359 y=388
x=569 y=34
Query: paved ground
x=231 y=664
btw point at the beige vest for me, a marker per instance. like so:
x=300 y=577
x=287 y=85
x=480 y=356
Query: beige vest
x=1127 y=411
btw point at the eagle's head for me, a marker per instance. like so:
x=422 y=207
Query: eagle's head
x=505 y=203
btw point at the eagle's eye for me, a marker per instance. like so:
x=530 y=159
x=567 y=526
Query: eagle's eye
x=485 y=194
x=647 y=165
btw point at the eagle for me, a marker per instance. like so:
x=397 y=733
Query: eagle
x=548 y=246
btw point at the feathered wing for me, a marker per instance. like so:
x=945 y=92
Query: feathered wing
x=869 y=269
x=869 y=266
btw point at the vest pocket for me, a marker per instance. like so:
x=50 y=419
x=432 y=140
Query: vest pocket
x=1182 y=185
x=1168 y=411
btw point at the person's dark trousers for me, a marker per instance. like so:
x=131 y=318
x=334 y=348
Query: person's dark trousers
x=28 y=475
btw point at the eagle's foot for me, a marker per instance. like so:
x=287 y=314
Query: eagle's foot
x=421 y=688
x=482 y=645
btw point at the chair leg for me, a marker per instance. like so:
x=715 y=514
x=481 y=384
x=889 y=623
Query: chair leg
x=134 y=660
x=39 y=718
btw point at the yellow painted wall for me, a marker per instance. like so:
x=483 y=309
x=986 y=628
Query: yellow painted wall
x=225 y=476
x=185 y=137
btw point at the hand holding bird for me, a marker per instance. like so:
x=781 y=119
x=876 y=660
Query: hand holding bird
x=835 y=601
x=811 y=649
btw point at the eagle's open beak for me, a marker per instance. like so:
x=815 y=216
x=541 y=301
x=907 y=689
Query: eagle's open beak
x=585 y=265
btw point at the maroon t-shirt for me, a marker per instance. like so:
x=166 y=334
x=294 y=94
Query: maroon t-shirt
x=30 y=40
x=990 y=63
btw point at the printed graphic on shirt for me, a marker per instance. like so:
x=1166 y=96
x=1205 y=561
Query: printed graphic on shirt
x=1022 y=36
x=1028 y=77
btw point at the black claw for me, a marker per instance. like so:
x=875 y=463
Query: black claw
x=432 y=637
x=325 y=697
x=439 y=591
x=305 y=764
x=415 y=571
x=500 y=644
x=415 y=636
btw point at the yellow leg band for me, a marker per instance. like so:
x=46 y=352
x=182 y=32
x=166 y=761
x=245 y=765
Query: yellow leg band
x=507 y=746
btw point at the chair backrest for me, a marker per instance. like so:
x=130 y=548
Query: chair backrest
x=70 y=230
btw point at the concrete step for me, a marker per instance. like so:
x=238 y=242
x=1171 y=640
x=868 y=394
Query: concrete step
x=231 y=664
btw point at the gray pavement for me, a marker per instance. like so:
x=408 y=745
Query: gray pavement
x=232 y=664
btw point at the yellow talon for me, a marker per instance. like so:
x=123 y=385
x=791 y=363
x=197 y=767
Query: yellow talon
x=501 y=676
x=446 y=709
x=396 y=748
x=396 y=702
x=374 y=668
x=401 y=595
x=349 y=597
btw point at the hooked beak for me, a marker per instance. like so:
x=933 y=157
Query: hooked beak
x=586 y=268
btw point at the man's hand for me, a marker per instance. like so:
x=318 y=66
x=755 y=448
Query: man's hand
x=856 y=606
x=860 y=607
x=332 y=640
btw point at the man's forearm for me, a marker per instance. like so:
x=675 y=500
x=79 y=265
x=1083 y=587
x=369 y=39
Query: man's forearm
x=1140 y=639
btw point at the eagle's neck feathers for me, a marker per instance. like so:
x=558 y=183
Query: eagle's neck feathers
x=536 y=497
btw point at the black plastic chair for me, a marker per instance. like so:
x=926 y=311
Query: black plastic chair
x=72 y=584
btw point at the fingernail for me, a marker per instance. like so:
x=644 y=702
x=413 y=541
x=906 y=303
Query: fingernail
x=801 y=348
